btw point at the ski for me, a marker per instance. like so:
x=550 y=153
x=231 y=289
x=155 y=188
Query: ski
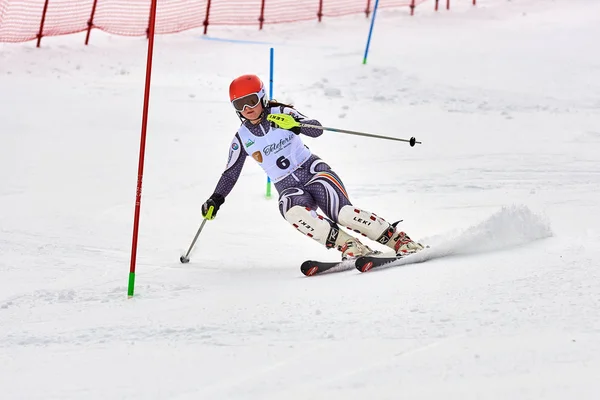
x=363 y=263
x=367 y=263
x=313 y=267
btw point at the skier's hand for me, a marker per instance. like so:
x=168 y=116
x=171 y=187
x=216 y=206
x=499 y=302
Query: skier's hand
x=285 y=121
x=211 y=206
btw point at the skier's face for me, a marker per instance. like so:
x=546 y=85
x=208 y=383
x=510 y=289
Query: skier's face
x=253 y=114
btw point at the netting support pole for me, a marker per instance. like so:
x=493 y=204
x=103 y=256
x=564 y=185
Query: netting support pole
x=320 y=12
x=447 y=4
x=412 y=7
x=437 y=5
x=205 y=22
x=261 y=19
x=90 y=22
x=368 y=9
x=40 y=33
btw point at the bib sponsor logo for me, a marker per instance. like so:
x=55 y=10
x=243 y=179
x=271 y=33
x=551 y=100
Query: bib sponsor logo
x=277 y=147
x=257 y=156
x=249 y=143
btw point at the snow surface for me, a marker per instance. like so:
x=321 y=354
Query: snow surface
x=505 y=97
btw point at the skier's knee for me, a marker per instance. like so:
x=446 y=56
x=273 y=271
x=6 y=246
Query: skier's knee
x=292 y=197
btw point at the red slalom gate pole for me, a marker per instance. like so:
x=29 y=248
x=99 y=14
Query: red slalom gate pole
x=138 y=193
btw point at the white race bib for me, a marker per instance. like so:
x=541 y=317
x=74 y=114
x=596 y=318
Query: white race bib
x=280 y=152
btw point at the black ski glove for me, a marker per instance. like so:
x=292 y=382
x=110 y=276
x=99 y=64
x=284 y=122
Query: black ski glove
x=215 y=202
x=296 y=129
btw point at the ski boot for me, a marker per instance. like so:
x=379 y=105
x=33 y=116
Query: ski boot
x=353 y=248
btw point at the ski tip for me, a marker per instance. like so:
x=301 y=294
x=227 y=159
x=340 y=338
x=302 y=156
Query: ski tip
x=367 y=263
x=367 y=266
x=363 y=264
x=309 y=268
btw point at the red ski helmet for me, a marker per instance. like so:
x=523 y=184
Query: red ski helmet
x=246 y=91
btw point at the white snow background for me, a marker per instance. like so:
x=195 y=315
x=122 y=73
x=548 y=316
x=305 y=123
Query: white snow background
x=505 y=97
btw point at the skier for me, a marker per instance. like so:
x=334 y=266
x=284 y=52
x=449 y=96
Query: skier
x=305 y=183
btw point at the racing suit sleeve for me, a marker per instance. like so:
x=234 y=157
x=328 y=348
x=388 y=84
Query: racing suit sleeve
x=233 y=169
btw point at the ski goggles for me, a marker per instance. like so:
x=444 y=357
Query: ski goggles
x=250 y=100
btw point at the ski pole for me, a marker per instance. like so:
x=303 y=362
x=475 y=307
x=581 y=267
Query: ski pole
x=412 y=140
x=185 y=259
x=287 y=122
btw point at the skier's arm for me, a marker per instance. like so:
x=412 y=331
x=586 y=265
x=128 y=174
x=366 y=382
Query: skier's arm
x=235 y=163
x=312 y=132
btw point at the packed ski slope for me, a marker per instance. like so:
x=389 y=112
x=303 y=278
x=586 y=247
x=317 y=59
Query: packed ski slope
x=505 y=188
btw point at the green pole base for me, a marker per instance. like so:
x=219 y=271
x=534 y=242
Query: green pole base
x=131 y=284
x=268 y=195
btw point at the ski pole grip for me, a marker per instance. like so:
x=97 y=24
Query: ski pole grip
x=209 y=214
